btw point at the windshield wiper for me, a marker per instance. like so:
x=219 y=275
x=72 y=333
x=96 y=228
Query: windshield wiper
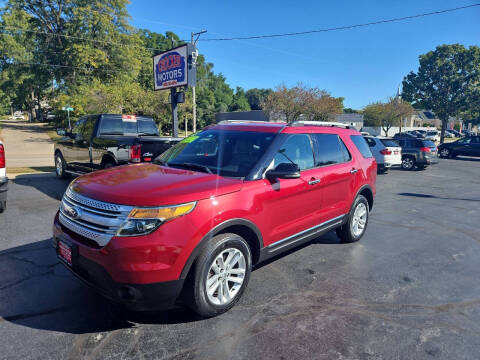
x=147 y=134
x=193 y=166
x=160 y=162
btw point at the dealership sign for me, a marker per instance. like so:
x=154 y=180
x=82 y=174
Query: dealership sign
x=174 y=68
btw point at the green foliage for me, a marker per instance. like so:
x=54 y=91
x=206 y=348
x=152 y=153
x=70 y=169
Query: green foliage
x=301 y=101
x=456 y=126
x=447 y=82
x=256 y=97
x=387 y=115
x=350 y=111
x=106 y=65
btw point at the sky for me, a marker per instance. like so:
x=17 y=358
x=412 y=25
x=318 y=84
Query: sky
x=362 y=65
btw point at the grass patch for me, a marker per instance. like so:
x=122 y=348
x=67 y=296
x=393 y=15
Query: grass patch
x=30 y=170
x=52 y=134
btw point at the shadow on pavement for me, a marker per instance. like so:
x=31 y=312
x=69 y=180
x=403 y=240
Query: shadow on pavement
x=48 y=184
x=465 y=158
x=435 y=197
x=37 y=291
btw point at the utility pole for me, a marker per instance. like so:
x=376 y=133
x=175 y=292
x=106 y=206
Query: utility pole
x=173 y=99
x=185 y=125
x=194 y=99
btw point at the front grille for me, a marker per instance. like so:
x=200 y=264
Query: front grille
x=95 y=220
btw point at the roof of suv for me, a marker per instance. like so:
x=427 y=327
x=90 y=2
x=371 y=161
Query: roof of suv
x=281 y=127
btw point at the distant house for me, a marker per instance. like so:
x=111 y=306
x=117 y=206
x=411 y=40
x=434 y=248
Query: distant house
x=355 y=120
x=427 y=117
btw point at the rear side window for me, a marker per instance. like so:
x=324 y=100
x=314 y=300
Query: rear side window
x=370 y=142
x=389 y=142
x=428 y=143
x=361 y=145
x=329 y=150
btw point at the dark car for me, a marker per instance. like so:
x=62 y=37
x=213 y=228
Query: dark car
x=417 y=152
x=194 y=223
x=106 y=140
x=467 y=146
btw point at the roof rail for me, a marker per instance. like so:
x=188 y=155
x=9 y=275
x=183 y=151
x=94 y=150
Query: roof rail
x=320 y=123
x=242 y=121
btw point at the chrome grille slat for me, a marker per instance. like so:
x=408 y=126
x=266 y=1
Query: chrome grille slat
x=95 y=220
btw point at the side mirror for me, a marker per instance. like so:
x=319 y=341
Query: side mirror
x=61 y=132
x=284 y=171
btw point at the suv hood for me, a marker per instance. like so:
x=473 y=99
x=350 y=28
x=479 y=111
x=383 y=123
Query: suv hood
x=152 y=185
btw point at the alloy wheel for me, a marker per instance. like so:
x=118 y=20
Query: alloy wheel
x=445 y=153
x=225 y=276
x=359 y=220
x=407 y=163
x=59 y=166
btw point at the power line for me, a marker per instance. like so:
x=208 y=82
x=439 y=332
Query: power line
x=342 y=27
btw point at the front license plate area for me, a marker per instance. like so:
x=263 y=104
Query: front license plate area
x=66 y=252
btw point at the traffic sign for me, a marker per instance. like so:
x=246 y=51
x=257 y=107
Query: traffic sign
x=67 y=108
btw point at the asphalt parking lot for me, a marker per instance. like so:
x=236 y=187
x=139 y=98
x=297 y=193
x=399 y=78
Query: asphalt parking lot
x=408 y=290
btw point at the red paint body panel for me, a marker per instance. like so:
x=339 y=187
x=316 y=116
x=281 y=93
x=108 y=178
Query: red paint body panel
x=279 y=210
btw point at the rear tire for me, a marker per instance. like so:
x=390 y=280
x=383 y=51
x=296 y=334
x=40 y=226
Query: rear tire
x=408 y=163
x=356 y=224
x=108 y=164
x=60 y=166
x=3 y=206
x=227 y=257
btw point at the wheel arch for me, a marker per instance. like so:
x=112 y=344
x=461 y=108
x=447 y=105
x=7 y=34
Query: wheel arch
x=242 y=227
x=107 y=157
x=367 y=192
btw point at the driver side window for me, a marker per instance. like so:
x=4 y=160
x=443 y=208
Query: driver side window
x=77 y=129
x=297 y=148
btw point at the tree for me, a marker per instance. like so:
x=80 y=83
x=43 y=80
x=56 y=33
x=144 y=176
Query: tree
x=447 y=81
x=350 y=111
x=301 y=101
x=256 y=97
x=386 y=115
x=239 y=101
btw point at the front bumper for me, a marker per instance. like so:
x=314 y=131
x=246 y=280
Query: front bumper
x=3 y=188
x=137 y=293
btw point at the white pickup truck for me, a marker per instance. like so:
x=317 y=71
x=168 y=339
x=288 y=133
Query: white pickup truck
x=3 y=180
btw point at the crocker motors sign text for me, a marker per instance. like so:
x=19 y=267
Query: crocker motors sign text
x=170 y=69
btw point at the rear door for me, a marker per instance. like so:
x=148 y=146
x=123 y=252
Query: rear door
x=293 y=205
x=336 y=172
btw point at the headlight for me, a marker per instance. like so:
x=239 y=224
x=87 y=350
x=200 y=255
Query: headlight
x=142 y=221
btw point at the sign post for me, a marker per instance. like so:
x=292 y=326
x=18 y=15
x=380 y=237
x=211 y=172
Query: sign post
x=175 y=68
x=68 y=109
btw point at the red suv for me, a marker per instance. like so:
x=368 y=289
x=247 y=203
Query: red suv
x=191 y=225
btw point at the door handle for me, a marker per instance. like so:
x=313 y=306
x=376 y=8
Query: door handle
x=313 y=181
x=353 y=171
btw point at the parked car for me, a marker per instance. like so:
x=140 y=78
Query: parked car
x=456 y=133
x=386 y=151
x=404 y=135
x=417 y=153
x=433 y=135
x=449 y=134
x=106 y=140
x=468 y=146
x=17 y=115
x=211 y=207
x=3 y=180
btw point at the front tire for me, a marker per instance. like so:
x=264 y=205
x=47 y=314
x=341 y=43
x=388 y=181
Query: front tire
x=220 y=275
x=60 y=166
x=356 y=224
x=445 y=153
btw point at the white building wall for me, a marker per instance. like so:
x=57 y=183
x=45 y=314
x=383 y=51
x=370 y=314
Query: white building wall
x=377 y=130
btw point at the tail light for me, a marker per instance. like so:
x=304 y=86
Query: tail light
x=136 y=153
x=425 y=149
x=386 y=152
x=2 y=157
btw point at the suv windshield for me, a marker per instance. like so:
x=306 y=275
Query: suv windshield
x=226 y=153
x=118 y=125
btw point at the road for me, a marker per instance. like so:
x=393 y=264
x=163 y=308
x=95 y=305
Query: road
x=26 y=144
x=408 y=290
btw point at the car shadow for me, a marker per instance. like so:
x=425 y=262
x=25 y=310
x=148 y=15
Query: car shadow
x=37 y=291
x=465 y=158
x=48 y=183
x=418 y=195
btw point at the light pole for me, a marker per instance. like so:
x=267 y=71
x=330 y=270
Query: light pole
x=194 y=100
